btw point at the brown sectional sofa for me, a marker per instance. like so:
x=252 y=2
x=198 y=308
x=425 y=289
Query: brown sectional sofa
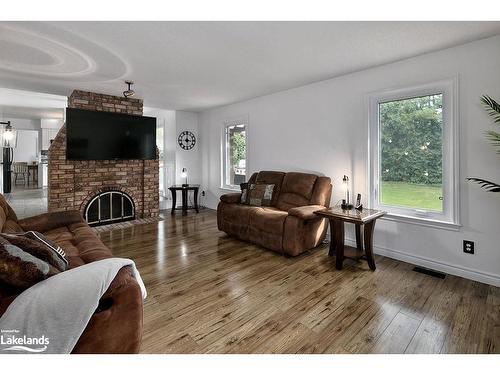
x=117 y=326
x=289 y=225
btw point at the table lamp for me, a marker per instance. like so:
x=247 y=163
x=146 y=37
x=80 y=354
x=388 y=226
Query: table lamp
x=184 y=174
x=346 y=205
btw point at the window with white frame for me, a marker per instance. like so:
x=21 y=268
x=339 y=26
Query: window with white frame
x=413 y=148
x=234 y=158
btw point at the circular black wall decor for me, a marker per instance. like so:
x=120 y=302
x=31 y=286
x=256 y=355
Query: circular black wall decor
x=186 y=140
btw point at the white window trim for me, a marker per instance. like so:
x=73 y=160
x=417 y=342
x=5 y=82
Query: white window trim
x=238 y=120
x=450 y=218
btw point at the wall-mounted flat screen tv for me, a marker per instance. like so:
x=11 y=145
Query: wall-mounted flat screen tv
x=92 y=135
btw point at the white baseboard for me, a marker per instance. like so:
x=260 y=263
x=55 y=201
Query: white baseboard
x=452 y=269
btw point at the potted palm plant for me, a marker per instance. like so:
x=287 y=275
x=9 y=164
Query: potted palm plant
x=493 y=109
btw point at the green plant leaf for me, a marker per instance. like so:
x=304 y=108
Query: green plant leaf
x=487 y=185
x=494 y=138
x=492 y=107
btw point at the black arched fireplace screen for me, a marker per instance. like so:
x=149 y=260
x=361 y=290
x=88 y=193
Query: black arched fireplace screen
x=109 y=207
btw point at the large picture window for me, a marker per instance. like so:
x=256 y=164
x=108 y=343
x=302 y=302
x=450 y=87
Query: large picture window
x=412 y=139
x=234 y=154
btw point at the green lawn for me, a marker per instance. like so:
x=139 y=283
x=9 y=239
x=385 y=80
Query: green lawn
x=411 y=195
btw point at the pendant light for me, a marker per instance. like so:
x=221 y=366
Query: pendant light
x=9 y=135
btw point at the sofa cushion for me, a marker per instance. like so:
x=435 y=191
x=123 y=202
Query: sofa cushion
x=231 y=198
x=306 y=212
x=238 y=213
x=301 y=234
x=244 y=193
x=39 y=246
x=12 y=226
x=297 y=190
x=80 y=243
x=21 y=269
x=270 y=177
x=235 y=218
x=50 y=220
x=260 y=194
x=8 y=218
x=268 y=219
x=322 y=191
x=266 y=227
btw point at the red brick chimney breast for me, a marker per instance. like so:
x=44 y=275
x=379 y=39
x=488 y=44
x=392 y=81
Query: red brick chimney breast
x=73 y=183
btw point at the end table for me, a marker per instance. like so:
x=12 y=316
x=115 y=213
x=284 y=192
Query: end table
x=184 y=189
x=366 y=218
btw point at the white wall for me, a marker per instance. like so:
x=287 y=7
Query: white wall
x=176 y=158
x=323 y=128
x=190 y=159
x=50 y=123
x=166 y=119
x=23 y=123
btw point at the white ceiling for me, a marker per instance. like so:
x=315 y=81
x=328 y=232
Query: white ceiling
x=198 y=65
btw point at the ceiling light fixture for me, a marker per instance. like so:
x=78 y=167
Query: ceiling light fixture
x=129 y=92
x=8 y=135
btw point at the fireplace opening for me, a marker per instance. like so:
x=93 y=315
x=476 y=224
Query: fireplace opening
x=109 y=207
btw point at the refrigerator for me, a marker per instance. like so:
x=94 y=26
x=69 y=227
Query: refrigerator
x=7 y=157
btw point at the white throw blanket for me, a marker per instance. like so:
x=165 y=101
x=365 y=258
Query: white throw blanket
x=50 y=316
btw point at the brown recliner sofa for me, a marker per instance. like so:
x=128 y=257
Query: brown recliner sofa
x=116 y=326
x=289 y=225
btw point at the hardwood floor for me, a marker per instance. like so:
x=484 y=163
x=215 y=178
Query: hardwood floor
x=209 y=293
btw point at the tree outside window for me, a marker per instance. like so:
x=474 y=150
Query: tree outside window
x=235 y=160
x=411 y=156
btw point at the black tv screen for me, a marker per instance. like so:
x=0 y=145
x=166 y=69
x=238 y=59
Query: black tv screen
x=94 y=135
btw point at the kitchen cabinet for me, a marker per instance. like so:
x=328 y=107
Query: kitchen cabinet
x=47 y=136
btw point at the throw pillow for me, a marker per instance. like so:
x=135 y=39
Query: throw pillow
x=260 y=194
x=244 y=193
x=20 y=269
x=39 y=246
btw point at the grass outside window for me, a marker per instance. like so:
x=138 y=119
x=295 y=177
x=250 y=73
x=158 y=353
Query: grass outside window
x=418 y=196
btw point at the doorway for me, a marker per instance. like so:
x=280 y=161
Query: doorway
x=35 y=119
x=27 y=196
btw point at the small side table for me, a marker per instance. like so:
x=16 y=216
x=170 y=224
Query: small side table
x=184 y=190
x=33 y=169
x=366 y=218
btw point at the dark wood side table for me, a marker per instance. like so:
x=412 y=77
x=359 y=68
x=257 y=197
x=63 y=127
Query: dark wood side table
x=366 y=218
x=33 y=168
x=185 y=190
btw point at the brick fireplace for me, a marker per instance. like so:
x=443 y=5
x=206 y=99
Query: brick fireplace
x=73 y=184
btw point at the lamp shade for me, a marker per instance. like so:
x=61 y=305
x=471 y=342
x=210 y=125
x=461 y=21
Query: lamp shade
x=8 y=136
x=345 y=181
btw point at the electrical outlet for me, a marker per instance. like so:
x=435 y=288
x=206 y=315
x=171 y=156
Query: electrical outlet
x=468 y=247
x=203 y=193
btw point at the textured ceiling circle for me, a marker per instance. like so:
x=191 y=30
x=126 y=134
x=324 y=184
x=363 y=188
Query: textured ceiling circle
x=52 y=52
x=15 y=53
